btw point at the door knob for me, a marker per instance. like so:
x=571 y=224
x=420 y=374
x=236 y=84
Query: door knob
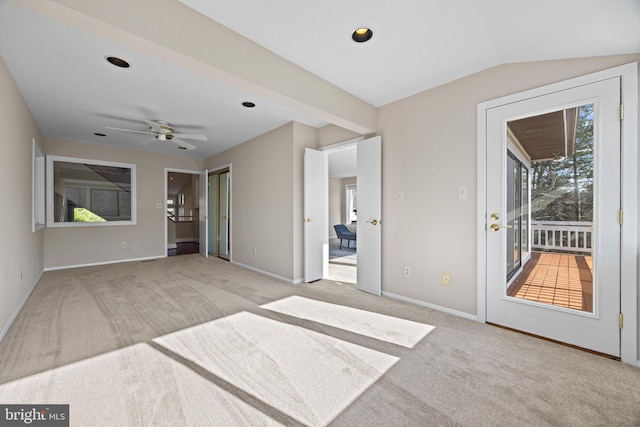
x=496 y=227
x=308 y=219
x=374 y=222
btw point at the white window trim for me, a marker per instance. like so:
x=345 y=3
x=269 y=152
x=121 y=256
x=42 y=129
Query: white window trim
x=50 y=191
x=347 y=188
x=38 y=182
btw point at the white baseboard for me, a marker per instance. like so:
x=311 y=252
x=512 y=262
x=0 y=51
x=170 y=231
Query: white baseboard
x=22 y=303
x=432 y=306
x=266 y=273
x=93 y=264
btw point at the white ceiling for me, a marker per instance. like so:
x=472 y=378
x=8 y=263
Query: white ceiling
x=418 y=44
x=343 y=163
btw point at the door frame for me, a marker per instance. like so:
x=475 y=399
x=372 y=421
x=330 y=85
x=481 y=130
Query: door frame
x=629 y=196
x=164 y=201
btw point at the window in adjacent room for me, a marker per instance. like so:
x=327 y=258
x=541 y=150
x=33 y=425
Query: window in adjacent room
x=89 y=192
x=352 y=203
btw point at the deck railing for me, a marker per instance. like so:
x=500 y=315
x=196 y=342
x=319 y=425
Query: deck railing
x=562 y=236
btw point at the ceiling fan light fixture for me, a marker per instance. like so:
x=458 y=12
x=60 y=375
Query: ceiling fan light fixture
x=362 y=34
x=118 y=62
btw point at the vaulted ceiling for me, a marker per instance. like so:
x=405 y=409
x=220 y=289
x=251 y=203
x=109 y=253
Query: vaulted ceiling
x=194 y=62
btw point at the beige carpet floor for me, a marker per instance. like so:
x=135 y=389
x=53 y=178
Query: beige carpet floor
x=201 y=342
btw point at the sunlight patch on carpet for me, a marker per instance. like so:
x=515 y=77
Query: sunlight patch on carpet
x=309 y=376
x=136 y=385
x=374 y=325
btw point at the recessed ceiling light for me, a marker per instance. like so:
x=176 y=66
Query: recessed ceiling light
x=99 y=134
x=248 y=104
x=118 y=62
x=362 y=35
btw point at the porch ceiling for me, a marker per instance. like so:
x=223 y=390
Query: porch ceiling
x=547 y=136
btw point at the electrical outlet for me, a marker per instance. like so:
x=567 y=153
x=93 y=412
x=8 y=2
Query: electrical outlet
x=446 y=279
x=407 y=271
x=124 y=245
x=255 y=251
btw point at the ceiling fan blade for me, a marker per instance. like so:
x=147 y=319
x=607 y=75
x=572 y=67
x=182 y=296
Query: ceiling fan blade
x=183 y=144
x=130 y=130
x=193 y=136
x=153 y=125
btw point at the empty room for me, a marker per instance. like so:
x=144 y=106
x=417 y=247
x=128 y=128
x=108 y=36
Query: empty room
x=341 y=213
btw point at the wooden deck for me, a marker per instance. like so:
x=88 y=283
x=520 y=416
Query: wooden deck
x=563 y=280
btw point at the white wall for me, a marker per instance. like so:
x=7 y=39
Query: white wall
x=67 y=246
x=262 y=201
x=22 y=259
x=337 y=203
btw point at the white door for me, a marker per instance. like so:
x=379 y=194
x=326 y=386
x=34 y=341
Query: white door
x=369 y=233
x=203 y=204
x=314 y=209
x=595 y=327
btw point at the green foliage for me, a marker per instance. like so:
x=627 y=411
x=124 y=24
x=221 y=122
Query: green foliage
x=85 y=215
x=562 y=189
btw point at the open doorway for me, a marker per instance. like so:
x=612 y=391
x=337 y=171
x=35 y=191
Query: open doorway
x=182 y=211
x=369 y=211
x=343 y=215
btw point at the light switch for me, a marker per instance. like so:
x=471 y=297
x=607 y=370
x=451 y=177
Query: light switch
x=462 y=193
x=401 y=196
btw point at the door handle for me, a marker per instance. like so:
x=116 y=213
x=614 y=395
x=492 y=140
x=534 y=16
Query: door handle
x=308 y=219
x=496 y=227
x=373 y=222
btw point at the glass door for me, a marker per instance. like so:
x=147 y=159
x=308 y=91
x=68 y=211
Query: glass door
x=219 y=214
x=224 y=220
x=569 y=289
x=517 y=214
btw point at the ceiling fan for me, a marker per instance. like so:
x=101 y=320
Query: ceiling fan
x=162 y=131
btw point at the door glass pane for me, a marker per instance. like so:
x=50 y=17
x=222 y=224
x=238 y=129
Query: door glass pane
x=212 y=225
x=559 y=270
x=511 y=212
x=224 y=215
x=524 y=227
x=515 y=212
